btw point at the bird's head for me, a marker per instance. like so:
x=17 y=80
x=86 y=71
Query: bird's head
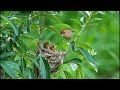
x=67 y=34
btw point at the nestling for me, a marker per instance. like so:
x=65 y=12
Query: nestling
x=46 y=44
x=53 y=48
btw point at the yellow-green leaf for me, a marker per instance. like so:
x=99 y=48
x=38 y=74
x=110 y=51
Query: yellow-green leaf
x=68 y=75
x=12 y=24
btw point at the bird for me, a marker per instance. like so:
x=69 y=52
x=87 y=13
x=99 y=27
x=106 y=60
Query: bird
x=46 y=45
x=67 y=34
x=53 y=47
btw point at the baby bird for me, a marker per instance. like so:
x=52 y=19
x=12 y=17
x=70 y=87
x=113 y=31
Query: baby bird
x=53 y=48
x=46 y=45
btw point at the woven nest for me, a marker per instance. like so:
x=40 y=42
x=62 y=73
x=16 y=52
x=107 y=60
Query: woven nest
x=54 y=59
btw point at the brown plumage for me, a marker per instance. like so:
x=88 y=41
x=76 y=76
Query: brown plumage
x=67 y=34
x=53 y=48
x=46 y=44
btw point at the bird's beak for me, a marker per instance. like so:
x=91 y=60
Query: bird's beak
x=62 y=34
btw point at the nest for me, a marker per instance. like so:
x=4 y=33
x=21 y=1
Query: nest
x=54 y=58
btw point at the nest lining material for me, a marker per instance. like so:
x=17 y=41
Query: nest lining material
x=54 y=59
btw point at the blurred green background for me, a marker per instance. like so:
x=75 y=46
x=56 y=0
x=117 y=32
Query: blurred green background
x=104 y=38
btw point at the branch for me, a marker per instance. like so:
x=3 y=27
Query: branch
x=77 y=36
x=40 y=43
x=41 y=29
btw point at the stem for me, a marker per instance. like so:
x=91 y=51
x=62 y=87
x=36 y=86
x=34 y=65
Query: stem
x=80 y=32
x=40 y=43
x=82 y=29
x=41 y=29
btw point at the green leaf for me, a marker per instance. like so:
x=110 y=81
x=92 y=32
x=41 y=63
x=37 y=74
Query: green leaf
x=28 y=62
x=28 y=25
x=44 y=68
x=101 y=12
x=19 y=50
x=60 y=77
x=30 y=74
x=15 y=37
x=76 y=21
x=62 y=26
x=20 y=29
x=35 y=61
x=85 y=13
x=92 y=52
x=51 y=16
x=3 y=46
x=65 y=45
x=22 y=45
x=9 y=70
x=88 y=13
x=94 y=66
x=74 y=66
x=95 y=19
x=23 y=65
x=26 y=37
x=72 y=45
x=51 y=28
x=58 y=12
x=90 y=59
x=79 y=72
x=94 y=24
x=78 y=75
x=9 y=45
x=82 y=19
x=6 y=54
x=13 y=65
x=83 y=45
x=68 y=75
x=88 y=56
x=74 y=60
x=17 y=58
x=12 y=24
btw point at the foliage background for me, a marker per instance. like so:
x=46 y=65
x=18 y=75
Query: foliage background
x=104 y=38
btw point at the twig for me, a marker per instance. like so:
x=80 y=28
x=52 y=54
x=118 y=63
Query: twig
x=40 y=43
x=80 y=32
x=41 y=29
